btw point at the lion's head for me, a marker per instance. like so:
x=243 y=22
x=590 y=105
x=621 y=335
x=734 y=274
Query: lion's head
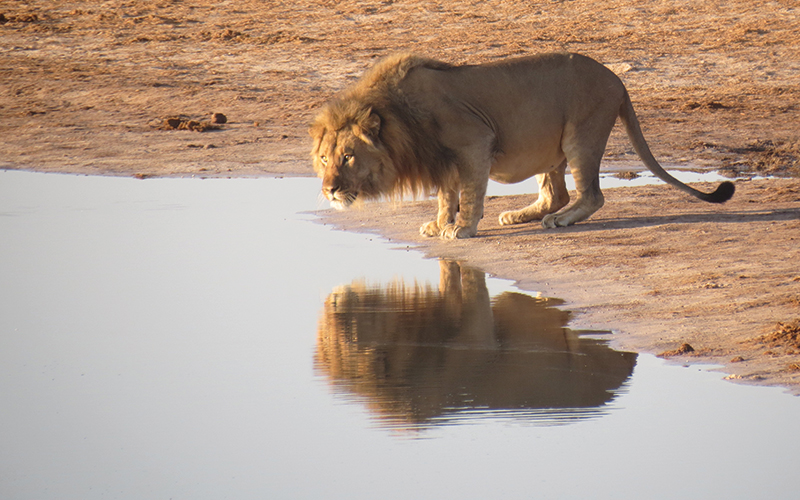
x=348 y=156
x=372 y=141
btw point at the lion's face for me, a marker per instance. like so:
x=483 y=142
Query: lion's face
x=346 y=166
x=349 y=160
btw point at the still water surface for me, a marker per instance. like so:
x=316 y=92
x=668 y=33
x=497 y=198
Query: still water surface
x=421 y=356
x=186 y=338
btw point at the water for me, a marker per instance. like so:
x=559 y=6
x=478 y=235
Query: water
x=186 y=338
x=607 y=180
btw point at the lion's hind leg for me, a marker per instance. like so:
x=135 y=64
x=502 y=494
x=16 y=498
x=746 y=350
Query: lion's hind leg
x=590 y=198
x=553 y=196
x=584 y=143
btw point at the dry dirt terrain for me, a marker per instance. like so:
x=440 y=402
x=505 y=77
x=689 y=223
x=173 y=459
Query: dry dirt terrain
x=128 y=87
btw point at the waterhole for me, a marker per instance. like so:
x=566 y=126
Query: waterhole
x=206 y=339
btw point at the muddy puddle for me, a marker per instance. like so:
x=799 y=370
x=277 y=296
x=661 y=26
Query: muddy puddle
x=187 y=338
x=609 y=179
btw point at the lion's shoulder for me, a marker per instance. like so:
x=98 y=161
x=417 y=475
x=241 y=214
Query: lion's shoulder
x=390 y=71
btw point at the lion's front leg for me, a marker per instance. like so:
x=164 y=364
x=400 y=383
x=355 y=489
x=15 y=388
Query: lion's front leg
x=470 y=211
x=463 y=200
x=448 y=207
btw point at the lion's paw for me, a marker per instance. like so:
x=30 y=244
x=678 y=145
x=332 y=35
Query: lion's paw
x=430 y=229
x=454 y=232
x=509 y=218
x=552 y=221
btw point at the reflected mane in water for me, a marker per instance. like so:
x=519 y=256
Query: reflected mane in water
x=420 y=356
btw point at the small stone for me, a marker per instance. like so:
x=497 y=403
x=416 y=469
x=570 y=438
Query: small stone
x=173 y=122
x=683 y=349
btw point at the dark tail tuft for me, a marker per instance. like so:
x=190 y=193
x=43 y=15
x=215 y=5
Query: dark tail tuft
x=723 y=193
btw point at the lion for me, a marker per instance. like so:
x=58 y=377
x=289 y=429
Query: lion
x=413 y=125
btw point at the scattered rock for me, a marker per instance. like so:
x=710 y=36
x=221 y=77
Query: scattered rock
x=649 y=252
x=713 y=105
x=771 y=156
x=172 y=123
x=782 y=335
x=183 y=123
x=218 y=118
x=19 y=18
x=226 y=34
x=737 y=359
x=683 y=349
x=627 y=175
x=620 y=68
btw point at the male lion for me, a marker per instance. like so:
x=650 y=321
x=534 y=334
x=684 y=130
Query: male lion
x=412 y=124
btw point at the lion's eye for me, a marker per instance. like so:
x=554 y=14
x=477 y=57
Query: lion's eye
x=347 y=158
x=324 y=160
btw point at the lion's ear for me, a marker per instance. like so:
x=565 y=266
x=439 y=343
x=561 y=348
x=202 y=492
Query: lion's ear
x=316 y=130
x=368 y=127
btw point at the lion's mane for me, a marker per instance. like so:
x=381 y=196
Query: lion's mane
x=412 y=158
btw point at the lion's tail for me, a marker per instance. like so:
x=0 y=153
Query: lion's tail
x=724 y=191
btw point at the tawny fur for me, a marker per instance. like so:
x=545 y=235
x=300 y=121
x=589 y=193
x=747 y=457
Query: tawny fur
x=415 y=125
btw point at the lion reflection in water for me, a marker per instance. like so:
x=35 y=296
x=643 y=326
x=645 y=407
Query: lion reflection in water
x=419 y=356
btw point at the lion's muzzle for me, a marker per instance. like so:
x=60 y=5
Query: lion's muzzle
x=339 y=198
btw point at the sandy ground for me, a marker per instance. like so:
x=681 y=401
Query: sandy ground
x=89 y=87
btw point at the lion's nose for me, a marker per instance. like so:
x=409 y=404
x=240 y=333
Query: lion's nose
x=330 y=191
